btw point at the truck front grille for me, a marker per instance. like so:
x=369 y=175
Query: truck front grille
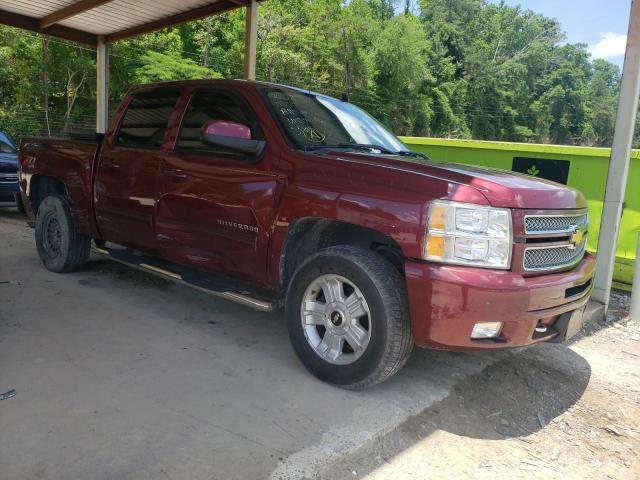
x=552 y=258
x=538 y=224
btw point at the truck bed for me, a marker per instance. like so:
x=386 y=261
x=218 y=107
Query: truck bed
x=72 y=163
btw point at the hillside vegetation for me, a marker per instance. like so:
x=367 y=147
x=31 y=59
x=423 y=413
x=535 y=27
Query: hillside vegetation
x=447 y=68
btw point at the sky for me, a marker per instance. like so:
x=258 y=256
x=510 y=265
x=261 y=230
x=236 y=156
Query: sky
x=601 y=24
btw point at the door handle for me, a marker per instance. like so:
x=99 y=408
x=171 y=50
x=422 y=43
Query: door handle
x=110 y=165
x=178 y=174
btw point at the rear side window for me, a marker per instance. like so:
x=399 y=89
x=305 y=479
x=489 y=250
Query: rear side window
x=209 y=105
x=146 y=118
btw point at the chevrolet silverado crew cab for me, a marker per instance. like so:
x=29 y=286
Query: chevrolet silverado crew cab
x=269 y=195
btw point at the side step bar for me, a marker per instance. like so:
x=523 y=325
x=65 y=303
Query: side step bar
x=243 y=293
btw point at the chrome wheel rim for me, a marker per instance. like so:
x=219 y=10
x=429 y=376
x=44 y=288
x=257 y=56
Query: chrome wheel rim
x=336 y=319
x=52 y=240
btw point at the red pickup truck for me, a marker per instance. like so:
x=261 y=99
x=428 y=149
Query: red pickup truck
x=269 y=195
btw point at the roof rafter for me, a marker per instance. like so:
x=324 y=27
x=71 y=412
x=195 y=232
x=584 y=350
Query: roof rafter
x=195 y=14
x=30 y=23
x=50 y=23
x=70 y=11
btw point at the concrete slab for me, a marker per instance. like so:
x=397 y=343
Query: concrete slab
x=594 y=312
x=120 y=375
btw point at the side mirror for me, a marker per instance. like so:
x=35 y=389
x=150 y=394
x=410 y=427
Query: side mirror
x=232 y=135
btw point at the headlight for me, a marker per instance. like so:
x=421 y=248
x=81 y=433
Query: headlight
x=465 y=234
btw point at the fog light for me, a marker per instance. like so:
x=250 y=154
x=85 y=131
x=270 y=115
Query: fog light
x=486 y=330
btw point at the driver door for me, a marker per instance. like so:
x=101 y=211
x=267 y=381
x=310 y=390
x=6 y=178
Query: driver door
x=216 y=205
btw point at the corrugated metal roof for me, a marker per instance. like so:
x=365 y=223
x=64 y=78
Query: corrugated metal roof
x=84 y=20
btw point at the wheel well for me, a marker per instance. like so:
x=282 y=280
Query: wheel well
x=307 y=236
x=43 y=186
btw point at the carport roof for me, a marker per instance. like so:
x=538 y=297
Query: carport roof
x=84 y=21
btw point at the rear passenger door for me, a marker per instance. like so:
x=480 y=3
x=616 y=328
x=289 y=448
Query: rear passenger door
x=126 y=186
x=217 y=205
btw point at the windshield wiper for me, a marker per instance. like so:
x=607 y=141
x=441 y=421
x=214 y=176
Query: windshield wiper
x=368 y=146
x=407 y=153
x=371 y=148
x=354 y=146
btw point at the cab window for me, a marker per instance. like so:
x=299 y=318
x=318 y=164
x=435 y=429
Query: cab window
x=209 y=105
x=146 y=119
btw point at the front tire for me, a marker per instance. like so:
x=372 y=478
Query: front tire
x=61 y=248
x=348 y=317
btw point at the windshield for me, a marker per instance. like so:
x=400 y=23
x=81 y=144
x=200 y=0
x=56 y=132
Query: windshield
x=312 y=121
x=6 y=145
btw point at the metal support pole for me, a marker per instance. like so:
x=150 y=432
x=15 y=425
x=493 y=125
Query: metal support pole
x=250 y=40
x=102 y=86
x=634 y=310
x=620 y=158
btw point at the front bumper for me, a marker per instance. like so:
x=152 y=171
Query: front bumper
x=447 y=301
x=8 y=192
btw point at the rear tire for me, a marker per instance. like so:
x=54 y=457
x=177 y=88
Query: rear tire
x=61 y=248
x=348 y=317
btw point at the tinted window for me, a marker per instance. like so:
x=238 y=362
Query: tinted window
x=209 y=105
x=146 y=118
x=6 y=148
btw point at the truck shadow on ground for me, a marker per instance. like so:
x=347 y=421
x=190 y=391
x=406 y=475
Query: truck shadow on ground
x=517 y=394
x=12 y=213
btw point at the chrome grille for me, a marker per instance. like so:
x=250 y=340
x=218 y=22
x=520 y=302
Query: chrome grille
x=551 y=258
x=6 y=177
x=536 y=224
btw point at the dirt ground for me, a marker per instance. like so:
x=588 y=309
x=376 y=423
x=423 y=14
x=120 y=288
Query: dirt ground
x=538 y=414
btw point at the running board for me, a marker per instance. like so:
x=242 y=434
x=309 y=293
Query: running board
x=222 y=287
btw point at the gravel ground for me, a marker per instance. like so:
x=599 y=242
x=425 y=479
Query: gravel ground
x=545 y=412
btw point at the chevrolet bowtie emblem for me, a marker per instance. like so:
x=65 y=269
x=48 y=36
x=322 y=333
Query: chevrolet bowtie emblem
x=577 y=238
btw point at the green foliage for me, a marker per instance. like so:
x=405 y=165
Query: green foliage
x=399 y=52
x=453 y=68
x=158 y=67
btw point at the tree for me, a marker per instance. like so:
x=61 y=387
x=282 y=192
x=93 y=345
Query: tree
x=560 y=107
x=157 y=67
x=602 y=97
x=451 y=68
x=399 y=53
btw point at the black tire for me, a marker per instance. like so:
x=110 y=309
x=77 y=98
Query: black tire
x=384 y=290
x=61 y=248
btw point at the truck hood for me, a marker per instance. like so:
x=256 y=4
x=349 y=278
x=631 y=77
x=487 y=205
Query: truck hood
x=9 y=161
x=500 y=187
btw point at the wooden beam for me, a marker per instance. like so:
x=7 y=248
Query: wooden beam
x=70 y=11
x=206 y=11
x=30 y=23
